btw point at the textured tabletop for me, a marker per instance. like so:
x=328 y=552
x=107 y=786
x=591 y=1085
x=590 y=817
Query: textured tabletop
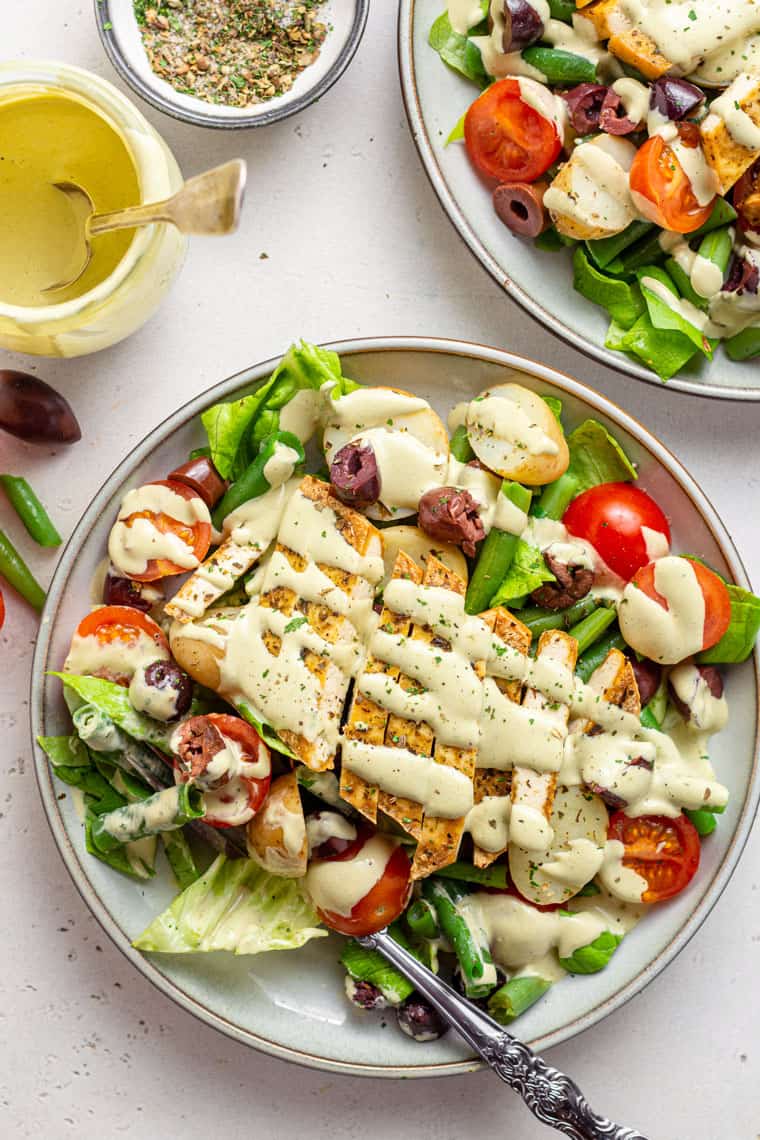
x=342 y=236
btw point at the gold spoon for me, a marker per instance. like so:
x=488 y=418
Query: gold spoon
x=207 y=204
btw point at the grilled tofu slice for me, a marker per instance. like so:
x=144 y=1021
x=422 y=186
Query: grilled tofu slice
x=533 y=791
x=252 y=530
x=369 y=722
x=493 y=781
x=727 y=156
x=639 y=50
x=615 y=682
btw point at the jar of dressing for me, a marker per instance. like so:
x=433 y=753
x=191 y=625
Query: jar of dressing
x=61 y=123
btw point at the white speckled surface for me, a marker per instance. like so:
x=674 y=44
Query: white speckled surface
x=356 y=245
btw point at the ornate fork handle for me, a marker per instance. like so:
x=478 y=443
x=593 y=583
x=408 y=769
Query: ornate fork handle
x=551 y=1096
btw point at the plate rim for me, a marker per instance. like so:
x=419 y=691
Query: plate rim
x=48 y=792
x=200 y=118
x=456 y=215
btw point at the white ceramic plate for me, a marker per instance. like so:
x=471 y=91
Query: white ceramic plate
x=122 y=39
x=435 y=98
x=292 y=1004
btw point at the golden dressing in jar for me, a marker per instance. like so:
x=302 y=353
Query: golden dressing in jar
x=48 y=137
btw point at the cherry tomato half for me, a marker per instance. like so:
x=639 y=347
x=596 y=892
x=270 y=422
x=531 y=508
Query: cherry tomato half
x=612 y=517
x=196 y=536
x=383 y=903
x=111 y=642
x=662 y=189
x=232 y=798
x=508 y=139
x=663 y=851
x=717 y=599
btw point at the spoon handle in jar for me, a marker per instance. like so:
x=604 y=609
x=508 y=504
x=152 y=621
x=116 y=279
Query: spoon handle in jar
x=552 y=1097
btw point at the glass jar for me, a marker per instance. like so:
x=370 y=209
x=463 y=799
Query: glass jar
x=131 y=294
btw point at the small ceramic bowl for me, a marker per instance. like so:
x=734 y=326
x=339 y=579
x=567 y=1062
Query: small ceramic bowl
x=122 y=40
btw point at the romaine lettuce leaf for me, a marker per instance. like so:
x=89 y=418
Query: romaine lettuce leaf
x=527 y=572
x=113 y=700
x=229 y=426
x=738 y=641
x=235 y=906
x=594 y=957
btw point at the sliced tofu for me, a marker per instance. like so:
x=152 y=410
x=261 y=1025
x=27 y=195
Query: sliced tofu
x=369 y=722
x=533 y=791
x=590 y=196
x=605 y=15
x=731 y=131
x=639 y=50
x=250 y=530
x=492 y=781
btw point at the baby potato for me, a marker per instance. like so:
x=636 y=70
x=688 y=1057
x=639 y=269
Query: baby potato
x=276 y=836
x=515 y=433
x=196 y=656
x=589 y=197
x=419 y=546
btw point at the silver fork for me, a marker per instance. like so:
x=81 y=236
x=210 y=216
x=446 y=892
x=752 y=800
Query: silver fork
x=552 y=1097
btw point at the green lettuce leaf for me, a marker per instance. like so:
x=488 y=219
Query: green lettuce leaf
x=596 y=457
x=738 y=641
x=527 y=572
x=229 y=425
x=457 y=50
x=663 y=317
x=113 y=700
x=265 y=730
x=235 y=906
x=65 y=751
x=370 y=966
x=594 y=957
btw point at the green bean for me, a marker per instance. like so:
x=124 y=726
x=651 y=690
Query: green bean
x=590 y=629
x=370 y=966
x=493 y=876
x=17 y=573
x=472 y=954
x=30 y=510
x=593 y=657
x=540 y=620
x=559 y=66
x=422 y=919
x=253 y=481
x=495 y=556
x=459 y=445
x=744 y=345
x=556 y=497
x=515 y=996
x=605 y=250
x=703 y=820
x=562 y=10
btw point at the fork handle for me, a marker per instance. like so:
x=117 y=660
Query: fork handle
x=552 y=1096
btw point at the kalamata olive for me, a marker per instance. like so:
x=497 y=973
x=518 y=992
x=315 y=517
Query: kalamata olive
x=354 y=475
x=613 y=118
x=573 y=582
x=522 y=25
x=35 y=412
x=365 y=995
x=335 y=845
x=418 y=1019
x=161 y=689
x=584 y=105
x=742 y=276
x=119 y=591
x=520 y=206
x=612 y=799
x=675 y=98
x=451 y=515
x=647 y=674
x=712 y=678
x=202 y=477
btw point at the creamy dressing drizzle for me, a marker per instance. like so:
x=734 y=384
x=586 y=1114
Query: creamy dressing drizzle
x=338 y=885
x=739 y=123
x=599 y=194
x=154 y=815
x=91 y=657
x=496 y=417
x=280 y=465
x=443 y=792
x=327 y=825
x=666 y=635
x=488 y=823
x=688 y=32
x=132 y=544
x=494 y=508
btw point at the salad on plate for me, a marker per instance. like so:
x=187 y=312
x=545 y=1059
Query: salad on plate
x=354 y=667
x=628 y=131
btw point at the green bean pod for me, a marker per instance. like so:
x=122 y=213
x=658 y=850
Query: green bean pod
x=17 y=573
x=253 y=482
x=540 y=620
x=30 y=510
x=588 y=631
x=473 y=954
x=593 y=657
x=422 y=920
x=559 y=66
x=496 y=555
x=515 y=996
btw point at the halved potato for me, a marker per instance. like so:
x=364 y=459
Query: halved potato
x=590 y=197
x=515 y=433
x=579 y=822
x=419 y=547
x=197 y=656
x=382 y=413
x=276 y=836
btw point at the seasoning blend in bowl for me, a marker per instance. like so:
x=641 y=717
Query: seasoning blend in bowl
x=58 y=124
x=231 y=63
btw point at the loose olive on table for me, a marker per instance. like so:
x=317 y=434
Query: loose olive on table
x=33 y=411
